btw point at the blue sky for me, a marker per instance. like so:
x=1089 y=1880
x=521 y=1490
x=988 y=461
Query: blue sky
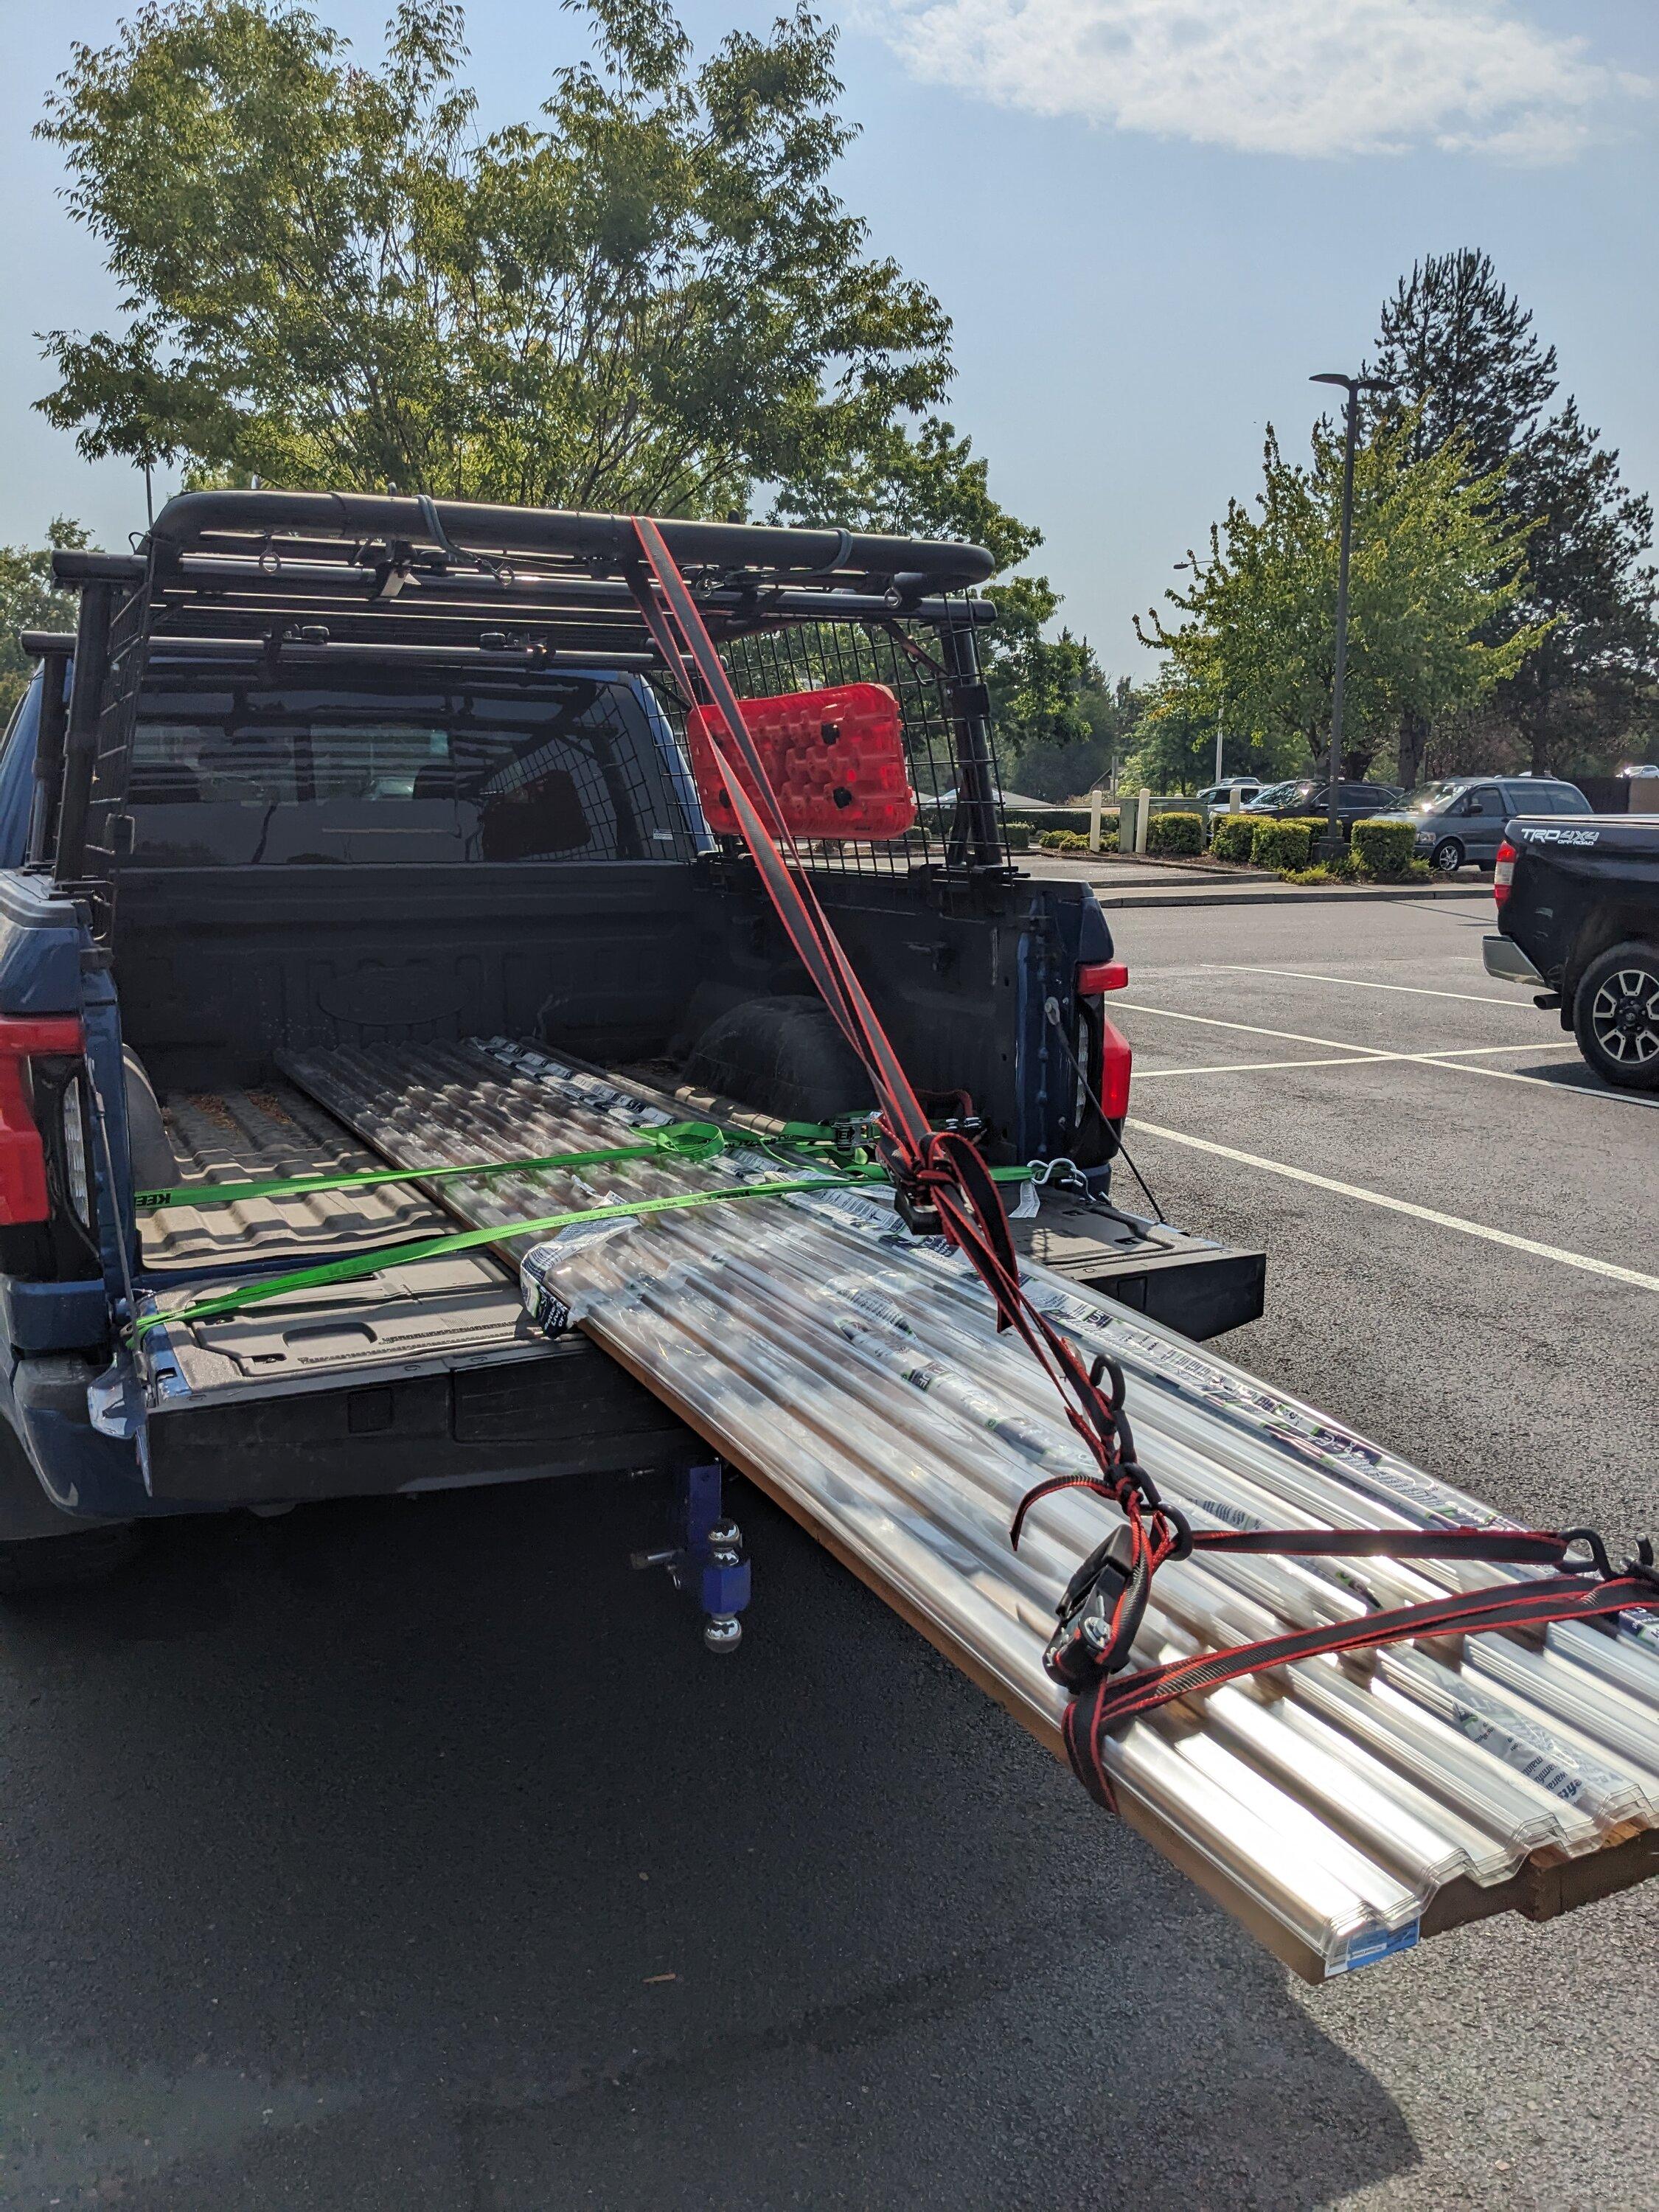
x=1150 y=220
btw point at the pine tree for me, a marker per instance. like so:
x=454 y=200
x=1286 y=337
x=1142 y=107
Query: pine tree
x=1590 y=679
x=1459 y=353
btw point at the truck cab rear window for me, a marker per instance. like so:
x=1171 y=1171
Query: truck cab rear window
x=233 y=774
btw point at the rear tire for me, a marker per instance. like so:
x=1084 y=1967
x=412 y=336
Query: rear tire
x=1447 y=857
x=1615 y=1016
x=46 y=1564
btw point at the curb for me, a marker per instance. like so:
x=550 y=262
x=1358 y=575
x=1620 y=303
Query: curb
x=1290 y=896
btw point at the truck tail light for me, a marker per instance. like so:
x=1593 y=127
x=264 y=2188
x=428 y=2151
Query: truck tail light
x=22 y=1155
x=1095 y=976
x=1503 y=875
x=1116 y=1062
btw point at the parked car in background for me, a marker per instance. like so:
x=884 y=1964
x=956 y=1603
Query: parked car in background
x=1306 y=796
x=1460 y=819
x=1218 y=798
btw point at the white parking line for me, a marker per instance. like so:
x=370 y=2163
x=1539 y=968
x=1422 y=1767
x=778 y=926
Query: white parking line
x=1253 y=1028
x=1357 y=983
x=1457 y=1058
x=1521 y=1044
x=1256 y=1066
x=1349 y=1059
x=1579 y=1260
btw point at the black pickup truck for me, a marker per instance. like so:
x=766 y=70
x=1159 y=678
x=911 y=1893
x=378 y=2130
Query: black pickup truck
x=336 y=773
x=1578 y=914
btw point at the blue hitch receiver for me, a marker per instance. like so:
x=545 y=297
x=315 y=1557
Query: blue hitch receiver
x=707 y=1563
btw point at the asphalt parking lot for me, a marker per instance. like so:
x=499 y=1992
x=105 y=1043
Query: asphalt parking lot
x=414 y=1855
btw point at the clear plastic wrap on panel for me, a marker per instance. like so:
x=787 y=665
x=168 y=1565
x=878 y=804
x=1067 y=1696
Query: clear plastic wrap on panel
x=860 y=1370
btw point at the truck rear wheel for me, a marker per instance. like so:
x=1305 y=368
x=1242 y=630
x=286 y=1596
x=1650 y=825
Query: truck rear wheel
x=45 y=1564
x=1615 y=1016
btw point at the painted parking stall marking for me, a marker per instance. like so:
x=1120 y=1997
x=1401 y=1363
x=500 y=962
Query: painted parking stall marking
x=1360 y=983
x=1461 y=1059
x=1428 y=1213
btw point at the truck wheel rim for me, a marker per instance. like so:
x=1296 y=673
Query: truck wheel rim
x=1625 y=1018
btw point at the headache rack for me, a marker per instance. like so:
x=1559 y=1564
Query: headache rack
x=282 y=583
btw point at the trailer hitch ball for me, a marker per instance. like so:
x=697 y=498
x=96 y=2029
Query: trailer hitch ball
x=706 y=1562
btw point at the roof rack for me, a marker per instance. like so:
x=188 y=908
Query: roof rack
x=367 y=569
x=298 y=577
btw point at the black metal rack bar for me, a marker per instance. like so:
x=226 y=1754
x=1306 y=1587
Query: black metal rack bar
x=291 y=586
x=915 y=566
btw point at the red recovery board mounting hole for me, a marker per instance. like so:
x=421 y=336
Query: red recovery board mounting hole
x=836 y=759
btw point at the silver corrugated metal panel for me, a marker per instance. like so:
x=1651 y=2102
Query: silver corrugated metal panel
x=1339 y=1806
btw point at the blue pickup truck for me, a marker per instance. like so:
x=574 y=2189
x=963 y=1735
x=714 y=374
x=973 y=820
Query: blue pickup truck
x=328 y=771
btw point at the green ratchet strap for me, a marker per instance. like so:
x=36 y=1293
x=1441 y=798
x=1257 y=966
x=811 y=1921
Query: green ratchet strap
x=360 y=1264
x=682 y=1140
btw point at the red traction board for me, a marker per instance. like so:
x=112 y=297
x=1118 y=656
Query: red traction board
x=836 y=759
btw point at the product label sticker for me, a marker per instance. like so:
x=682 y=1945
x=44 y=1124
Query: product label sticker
x=1370 y=1944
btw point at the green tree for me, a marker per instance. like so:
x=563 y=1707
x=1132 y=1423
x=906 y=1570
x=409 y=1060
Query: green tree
x=1174 y=747
x=648 y=298
x=1036 y=681
x=1461 y=359
x=1435 y=568
x=1057 y=770
x=920 y=484
x=27 y=601
x=1586 y=690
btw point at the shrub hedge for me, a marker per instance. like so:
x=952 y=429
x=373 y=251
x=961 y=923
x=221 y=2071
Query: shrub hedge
x=1280 y=844
x=1077 y=841
x=1230 y=835
x=1384 y=850
x=1324 y=872
x=1176 y=833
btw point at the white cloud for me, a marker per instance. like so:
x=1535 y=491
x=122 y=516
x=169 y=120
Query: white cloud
x=1305 y=77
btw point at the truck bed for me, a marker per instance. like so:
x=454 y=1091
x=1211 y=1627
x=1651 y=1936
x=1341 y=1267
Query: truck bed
x=400 y=1322
x=417 y=1317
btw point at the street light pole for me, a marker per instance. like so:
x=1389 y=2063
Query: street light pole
x=1330 y=848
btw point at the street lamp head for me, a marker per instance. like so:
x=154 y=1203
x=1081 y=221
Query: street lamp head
x=1351 y=384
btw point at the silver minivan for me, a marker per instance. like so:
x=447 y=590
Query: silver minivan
x=1460 y=819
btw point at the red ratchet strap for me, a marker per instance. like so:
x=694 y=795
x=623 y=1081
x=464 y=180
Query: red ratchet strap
x=942 y=1171
x=936 y=1169
x=1105 y=1602
x=1106 y=1705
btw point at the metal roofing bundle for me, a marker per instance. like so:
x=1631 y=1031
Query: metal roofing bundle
x=1340 y=1806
